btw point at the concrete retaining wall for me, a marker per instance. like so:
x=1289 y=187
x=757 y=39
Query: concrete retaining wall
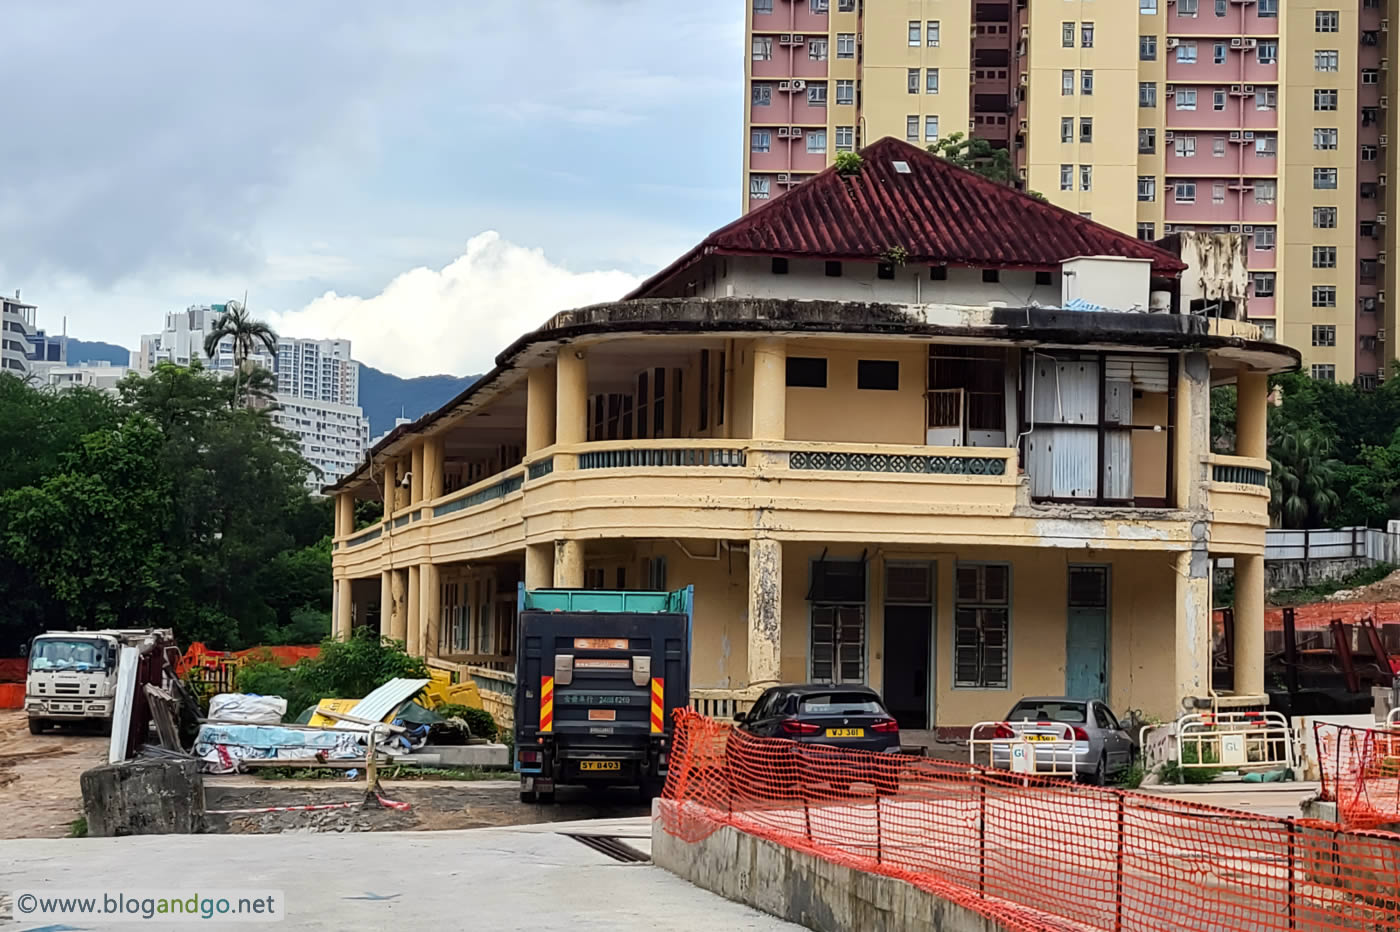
x=804 y=888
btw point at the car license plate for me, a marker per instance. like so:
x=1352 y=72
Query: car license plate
x=600 y=765
x=1042 y=737
x=845 y=732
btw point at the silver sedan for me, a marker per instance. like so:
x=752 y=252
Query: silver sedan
x=1062 y=736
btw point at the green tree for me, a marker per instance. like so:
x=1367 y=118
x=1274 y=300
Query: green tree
x=1304 y=479
x=248 y=335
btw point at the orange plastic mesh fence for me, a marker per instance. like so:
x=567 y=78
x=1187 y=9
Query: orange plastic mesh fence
x=1032 y=852
x=1361 y=773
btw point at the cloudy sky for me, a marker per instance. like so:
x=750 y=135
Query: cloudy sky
x=428 y=179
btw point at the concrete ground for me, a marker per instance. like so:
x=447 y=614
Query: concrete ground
x=1270 y=799
x=522 y=877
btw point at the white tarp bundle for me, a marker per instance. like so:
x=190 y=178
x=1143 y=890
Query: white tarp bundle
x=222 y=746
x=247 y=708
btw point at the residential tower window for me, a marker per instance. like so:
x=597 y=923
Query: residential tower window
x=1324 y=335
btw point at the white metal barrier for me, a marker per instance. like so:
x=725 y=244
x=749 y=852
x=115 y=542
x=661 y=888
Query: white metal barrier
x=1393 y=719
x=1234 y=740
x=1047 y=749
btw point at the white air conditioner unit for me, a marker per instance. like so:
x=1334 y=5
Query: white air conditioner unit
x=785 y=39
x=1249 y=89
x=798 y=86
x=1236 y=90
x=1385 y=25
x=1169 y=136
x=1025 y=32
x=1169 y=90
x=1382 y=178
x=1380 y=257
x=1168 y=228
x=782 y=132
x=1025 y=78
x=1385 y=103
x=1025 y=124
x=1173 y=43
x=1380 y=334
x=784 y=177
x=1234 y=135
x=1380 y=374
x=1249 y=228
x=1237 y=43
x=798 y=40
x=1234 y=228
x=1381 y=218
x=1251 y=43
x=784 y=85
x=1249 y=135
x=795 y=132
x=1385 y=140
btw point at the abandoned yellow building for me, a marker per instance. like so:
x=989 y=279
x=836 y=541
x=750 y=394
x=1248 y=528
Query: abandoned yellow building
x=901 y=426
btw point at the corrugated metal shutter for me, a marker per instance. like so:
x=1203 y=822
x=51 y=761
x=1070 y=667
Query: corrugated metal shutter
x=1063 y=462
x=1146 y=373
x=1065 y=391
x=1118 y=464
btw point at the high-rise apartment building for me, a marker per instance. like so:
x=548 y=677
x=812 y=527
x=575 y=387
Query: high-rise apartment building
x=17 y=333
x=1266 y=118
x=182 y=343
x=319 y=369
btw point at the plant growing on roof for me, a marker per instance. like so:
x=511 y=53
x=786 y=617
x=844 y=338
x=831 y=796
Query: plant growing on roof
x=849 y=163
x=895 y=255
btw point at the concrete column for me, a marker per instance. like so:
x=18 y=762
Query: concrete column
x=415 y=486
x=765 y=611
x=568 y=564
x=430 y=610
x=539 y=409
x=399 y=610
x=769 y=389
x=386 y=603
x=1192 y=429
x=1193 y=627
x=433 y=457
x=570 y=402
x=344 y=604
x=539 y=566
x=1249 y=625
x=415 y=632
x=1251 y=415
x=344 y=514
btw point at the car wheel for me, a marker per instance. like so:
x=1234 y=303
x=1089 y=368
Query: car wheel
x=1100 y=772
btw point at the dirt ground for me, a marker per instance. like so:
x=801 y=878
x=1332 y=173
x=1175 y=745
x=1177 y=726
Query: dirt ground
x=39 y=793
x=1385 y=590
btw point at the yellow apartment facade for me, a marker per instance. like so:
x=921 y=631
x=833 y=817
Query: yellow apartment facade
x=893 y=466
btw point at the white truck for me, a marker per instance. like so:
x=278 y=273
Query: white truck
x=72 y=675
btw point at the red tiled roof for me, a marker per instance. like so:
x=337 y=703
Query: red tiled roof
x=939 y=213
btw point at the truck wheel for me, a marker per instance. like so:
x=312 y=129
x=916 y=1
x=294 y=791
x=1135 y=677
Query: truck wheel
x=547 y=798
x=529 y=796
x=36 y=726
x=104 y=728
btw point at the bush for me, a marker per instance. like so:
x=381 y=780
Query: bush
x=479 y=721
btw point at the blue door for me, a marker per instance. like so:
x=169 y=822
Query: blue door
x=1086 y=638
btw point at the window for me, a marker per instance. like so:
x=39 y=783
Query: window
x=911 y=128
x=1268 y=9
x=1220 y=7
x=1147 y=188
x=762 y=95
x=1067 y=83
x=758 y=187
x=1186 y=98
x=885 y=270
x=1324 y=335
x=779 y=266
x=845 y=138
x=1267 y=52
x=845 y=92
x=1147 y=232
x=1086 y=177
x=1327 y=20
x=1324 y=100
x=1086 y=35
x=1186 y=192
x=1217 y=147
x=1066 y=177
x=1264 y=237
x=1217 y=192
x=1186 y=147
x=1147 y=94
x=1066 y=129
x=932 y=31
x=1265 y=191
x=1324 y=179
x=833 y=269
x=1147 y=141
x=806 y=372
x=1147 y=7
x=817 y=49
x=847 y=6
x=1086 y=129
x=1266 y=146
x=1147 y=48
x=1324 y=257
x=1367 y=229
x=816 y=94
x=1188 y=7
x=1265 y=99
x=915 y=34
x=1218 y=99
x=913 y=81
x=762 y=48
x=1367 y=268
x=838 y=621
x=1324 y=373
x=982 y=626
x=762 y=6
x=1086 y=81
x=1324 y=295
x=1370 y=76
x=1263 y=284
x=931 y=81
x=1324 y=138
x=820 y=6
x=930 y=129
x=816 y=141
x=1219 y=53
x=1369 y=153
x=1325 y=60
x=1186 y=53
x=845 y=45
x=760 y=140
x=877 y=375
x=1067 y=35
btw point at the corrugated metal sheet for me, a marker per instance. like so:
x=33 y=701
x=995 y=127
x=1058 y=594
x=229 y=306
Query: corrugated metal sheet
x=1118 y=464
x=938 y=213
x=386 y=699
x=1145 y=373
x=1065 y=391
x=1063 y=462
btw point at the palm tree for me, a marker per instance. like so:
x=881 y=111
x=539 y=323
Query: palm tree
x=248 y=334
x=1303 y=479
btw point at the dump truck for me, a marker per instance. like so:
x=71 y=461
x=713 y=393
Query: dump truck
x=598 y=674
x=72 y=676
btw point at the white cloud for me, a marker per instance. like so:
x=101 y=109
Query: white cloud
x=454 y=320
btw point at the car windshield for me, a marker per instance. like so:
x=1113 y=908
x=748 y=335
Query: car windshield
x=67 y=654
x=1068 y=713
x=840 y=704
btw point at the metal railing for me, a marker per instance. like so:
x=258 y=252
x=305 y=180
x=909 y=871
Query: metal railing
x=1233 y=741
x=1046 y=749
x=665 y=456
x=1241 y=475
x=372 y=534
x=949 y=464
x=491 y=493
x=541 y=468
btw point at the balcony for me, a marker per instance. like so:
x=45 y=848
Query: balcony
x=1237 y=495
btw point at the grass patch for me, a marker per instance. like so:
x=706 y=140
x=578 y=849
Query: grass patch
x=1174 y=772
x=78 y=827
x=1132 y=778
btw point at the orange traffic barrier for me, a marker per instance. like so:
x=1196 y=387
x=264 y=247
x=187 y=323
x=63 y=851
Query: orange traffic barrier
x=1028 y=852
x=1360 y=773
x=11 y=695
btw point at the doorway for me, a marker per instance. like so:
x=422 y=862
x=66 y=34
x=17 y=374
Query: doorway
x=908 y=671
x=1086 y=633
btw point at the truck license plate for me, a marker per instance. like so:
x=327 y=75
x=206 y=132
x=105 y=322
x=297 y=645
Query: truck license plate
x=600 y=765
x=602 y=715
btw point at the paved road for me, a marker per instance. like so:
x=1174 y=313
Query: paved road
x=524 y=877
